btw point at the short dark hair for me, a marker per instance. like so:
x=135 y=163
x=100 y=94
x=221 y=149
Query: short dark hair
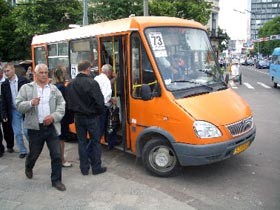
x=84 y=65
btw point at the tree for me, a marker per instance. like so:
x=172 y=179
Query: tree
x=223 y=41
x=104 y=10
x=39 y=17
x=271 y=27
x=198 y=10
x=7 y=27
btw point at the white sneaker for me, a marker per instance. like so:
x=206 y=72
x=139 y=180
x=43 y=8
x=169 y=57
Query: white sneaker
x=66 y=164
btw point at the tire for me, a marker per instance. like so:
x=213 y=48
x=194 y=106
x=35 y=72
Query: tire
x=159 y=158
x=240 y=79
x=275 y=84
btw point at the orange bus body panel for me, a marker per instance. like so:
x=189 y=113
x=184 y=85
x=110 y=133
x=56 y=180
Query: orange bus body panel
x=211 y=107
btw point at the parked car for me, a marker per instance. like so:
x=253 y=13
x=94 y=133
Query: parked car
x=249 y=62
x=242 y=61
x=262 y=64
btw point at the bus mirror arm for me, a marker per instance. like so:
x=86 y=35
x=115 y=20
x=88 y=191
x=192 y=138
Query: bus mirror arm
x=156 y=91
x=146 y=92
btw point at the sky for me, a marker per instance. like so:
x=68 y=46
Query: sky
x=234 y=23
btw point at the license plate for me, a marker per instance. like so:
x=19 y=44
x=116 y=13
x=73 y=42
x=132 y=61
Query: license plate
x=241 y=148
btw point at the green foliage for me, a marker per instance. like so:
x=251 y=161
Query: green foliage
x=198 y=10
x=105 y=10
x=36 y=17
x=223 y=41
x=7 y=28
x=44 y=16
x=19 y=24
x=269 y=28
x=162 y=8
x=5 y=9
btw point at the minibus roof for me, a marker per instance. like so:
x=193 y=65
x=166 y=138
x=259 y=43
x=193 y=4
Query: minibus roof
x=115 y=26
x=276 y=51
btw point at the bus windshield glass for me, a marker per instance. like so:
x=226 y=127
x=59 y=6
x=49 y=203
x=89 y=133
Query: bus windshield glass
x=184 y=57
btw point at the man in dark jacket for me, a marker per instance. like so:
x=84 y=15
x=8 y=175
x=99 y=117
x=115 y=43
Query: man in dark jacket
x=86 y=101
x=6 y=126
x=9 y=90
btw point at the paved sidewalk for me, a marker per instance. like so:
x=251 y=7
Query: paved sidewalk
x=105 y=191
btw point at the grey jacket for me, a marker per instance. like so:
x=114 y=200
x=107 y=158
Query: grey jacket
x=23 y=104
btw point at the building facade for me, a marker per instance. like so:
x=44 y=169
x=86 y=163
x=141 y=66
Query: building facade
x=262 y=11
x=212 y=24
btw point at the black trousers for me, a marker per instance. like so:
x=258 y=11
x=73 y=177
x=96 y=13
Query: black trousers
x=37 y=138
x=88 y=125
x=8 y=136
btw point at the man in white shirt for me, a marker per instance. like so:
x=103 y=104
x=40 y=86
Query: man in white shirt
x=105 y=83
x=43 y=106
x=235 y=69
x=105 y=80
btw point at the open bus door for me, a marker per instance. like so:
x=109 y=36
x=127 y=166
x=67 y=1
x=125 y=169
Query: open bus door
x=113 y=51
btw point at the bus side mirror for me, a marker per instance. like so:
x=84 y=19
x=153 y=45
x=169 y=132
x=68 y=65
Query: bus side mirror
x=146 y=92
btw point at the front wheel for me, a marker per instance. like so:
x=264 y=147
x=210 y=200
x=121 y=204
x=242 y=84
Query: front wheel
x=159 y=158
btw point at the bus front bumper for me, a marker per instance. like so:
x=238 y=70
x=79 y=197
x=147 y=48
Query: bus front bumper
x=188 y=154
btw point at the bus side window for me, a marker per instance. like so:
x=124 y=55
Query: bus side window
x=58 y=55
x=94 y=55
x=141 y=70
x=81 y=50
x=40 y=55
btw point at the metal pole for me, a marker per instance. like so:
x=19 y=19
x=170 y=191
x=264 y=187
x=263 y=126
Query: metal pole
x=85 y=16
x=146 y=7
x=253 y=13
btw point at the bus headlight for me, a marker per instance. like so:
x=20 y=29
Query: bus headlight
x=206 y=130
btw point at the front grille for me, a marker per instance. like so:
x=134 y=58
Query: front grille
x=241 y=127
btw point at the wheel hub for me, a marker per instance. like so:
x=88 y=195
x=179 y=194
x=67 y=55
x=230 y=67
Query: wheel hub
x=162 y=157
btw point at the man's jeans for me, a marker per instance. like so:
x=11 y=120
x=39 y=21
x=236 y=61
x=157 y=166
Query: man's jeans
x=90 y=125
x=17 y=124
x=37 y=139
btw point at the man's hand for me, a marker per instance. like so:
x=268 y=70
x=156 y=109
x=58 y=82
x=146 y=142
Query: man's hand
x=114 y=100
x=5 y=119
x=48 y=120
x=35 y=101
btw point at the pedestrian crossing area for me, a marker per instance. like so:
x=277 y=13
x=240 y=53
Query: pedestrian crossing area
x=251 y=86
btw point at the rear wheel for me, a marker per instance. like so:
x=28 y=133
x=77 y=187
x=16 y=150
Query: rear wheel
x=159 y=158
x=240 y=79
x=275 y=85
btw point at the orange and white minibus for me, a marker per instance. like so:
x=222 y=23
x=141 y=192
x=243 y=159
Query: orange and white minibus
x=175 y=108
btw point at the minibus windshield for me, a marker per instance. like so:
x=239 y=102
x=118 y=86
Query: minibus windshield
x=184 y=57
